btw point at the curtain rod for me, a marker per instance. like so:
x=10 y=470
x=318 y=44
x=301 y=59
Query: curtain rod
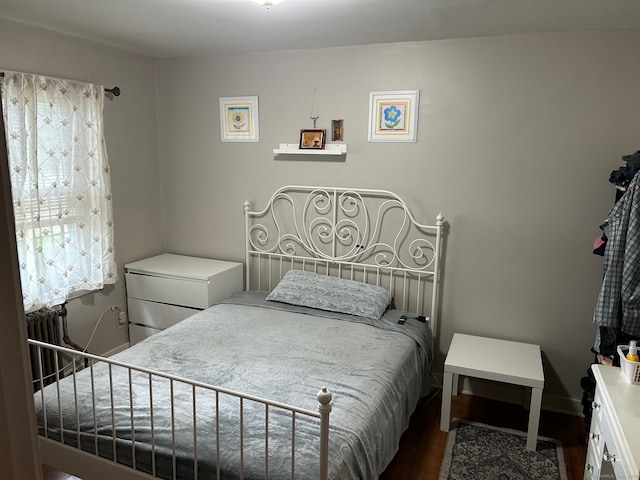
x=115 y=90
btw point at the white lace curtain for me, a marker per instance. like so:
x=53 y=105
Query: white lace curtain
x=60 y=185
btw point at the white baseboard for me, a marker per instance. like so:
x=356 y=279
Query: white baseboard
x=515 y=394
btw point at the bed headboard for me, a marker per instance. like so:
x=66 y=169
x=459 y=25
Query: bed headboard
x=360 y=234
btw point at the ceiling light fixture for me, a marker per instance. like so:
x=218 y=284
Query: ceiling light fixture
x=268 y=3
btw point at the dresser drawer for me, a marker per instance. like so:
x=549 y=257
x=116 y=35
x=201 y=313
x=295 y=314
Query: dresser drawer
x=616 y=418
x=597 y=408
x=592 y=465
x=596 y=439
x=157 y=315
x=137 y=333
x=613 y=457
x=175 y=291
x=595 y=448
x=165 y=289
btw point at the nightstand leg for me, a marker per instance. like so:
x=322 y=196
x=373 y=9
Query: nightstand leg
x=534 y=418
x=445 y=411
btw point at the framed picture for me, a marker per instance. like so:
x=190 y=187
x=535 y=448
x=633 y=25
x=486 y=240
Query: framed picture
x=337 y=130
x=239 y=119
x=393 y=116
x=313 y=139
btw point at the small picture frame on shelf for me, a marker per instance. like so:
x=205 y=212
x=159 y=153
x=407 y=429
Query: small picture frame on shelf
x=337 y=130
x=313 y=139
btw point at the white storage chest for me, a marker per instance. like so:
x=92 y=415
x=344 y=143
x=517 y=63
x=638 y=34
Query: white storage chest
x=167 y=288
x=614 y=436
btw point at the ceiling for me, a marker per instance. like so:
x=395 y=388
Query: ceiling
x=166 y=28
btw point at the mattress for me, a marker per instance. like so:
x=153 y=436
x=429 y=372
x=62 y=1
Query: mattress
x=377 y=370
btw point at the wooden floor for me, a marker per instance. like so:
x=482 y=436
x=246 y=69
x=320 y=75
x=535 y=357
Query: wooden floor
x=50 y=474
x=422 y=445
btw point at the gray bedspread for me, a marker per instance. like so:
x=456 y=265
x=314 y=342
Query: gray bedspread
x=377 y=371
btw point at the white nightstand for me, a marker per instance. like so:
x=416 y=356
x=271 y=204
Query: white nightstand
x=167 y=288
x=492 y=359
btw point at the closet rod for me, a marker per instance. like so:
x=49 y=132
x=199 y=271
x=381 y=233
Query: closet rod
x=114 y=90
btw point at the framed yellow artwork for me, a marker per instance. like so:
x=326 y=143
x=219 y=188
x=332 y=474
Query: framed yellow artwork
x=239 y=119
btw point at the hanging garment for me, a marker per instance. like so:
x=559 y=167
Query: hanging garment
x=599 y=245
x=618 y=305
x=623 y=175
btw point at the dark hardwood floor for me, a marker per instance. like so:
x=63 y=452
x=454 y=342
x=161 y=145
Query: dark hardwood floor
x=50 y=474
x=422 y=445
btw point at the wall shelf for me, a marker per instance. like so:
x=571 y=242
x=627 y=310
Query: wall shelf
x=330 y=149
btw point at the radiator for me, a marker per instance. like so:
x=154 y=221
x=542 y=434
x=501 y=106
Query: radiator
x=43 y=325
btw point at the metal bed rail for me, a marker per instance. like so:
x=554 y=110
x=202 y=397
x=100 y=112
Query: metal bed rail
x=77 y=363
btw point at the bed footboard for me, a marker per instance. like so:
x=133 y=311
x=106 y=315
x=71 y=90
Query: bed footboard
x=102 y=419
x=85 y=465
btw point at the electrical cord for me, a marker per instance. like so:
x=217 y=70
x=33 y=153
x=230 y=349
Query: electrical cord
x=68 y=341
x=110 y=309
x=61 y=372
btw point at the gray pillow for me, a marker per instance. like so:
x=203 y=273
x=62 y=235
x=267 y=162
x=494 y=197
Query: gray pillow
x=308 y=289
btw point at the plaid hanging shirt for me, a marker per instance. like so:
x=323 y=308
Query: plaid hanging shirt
x=618 y=305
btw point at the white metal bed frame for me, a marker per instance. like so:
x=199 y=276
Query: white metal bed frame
x=349 y=233
x=337 y=231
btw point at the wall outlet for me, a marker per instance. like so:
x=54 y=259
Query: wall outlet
x=122 y=320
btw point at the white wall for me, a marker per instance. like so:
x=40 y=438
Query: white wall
x=518 y=136
x=131 y=135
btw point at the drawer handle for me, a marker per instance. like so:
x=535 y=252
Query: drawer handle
x=609 y=457
x=596 y=406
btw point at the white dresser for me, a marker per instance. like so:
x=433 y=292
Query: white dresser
x=614 y=436
x=167 y=288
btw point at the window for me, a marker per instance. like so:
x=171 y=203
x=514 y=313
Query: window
x=60 y=186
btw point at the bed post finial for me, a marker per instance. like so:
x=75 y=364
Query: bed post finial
x=439 y=219
x=324 y=398
x=247 y=272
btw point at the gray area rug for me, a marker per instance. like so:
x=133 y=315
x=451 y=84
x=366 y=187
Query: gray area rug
x=476 y=451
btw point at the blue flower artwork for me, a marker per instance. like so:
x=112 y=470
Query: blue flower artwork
x=393 y=116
